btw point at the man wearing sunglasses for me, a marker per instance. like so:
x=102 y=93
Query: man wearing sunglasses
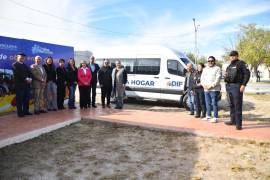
x=236 y=77
x=210 y=80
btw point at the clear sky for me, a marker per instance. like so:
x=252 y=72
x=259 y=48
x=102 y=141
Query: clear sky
x=86 y=24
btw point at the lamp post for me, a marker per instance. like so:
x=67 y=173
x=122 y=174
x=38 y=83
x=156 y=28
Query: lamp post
x=196 y=50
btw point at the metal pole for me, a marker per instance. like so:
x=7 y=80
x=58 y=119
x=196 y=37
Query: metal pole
x=195 y=42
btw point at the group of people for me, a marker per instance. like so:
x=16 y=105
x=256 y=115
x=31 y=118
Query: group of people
x=49 y=86
x=49 y=83
x=204 y=89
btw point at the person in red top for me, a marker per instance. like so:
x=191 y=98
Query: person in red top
x=84 y=80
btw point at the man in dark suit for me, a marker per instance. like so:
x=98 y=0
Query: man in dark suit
x=22 y=81
x=93 y=86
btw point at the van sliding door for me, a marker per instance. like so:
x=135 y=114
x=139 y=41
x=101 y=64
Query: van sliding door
x=147 y=77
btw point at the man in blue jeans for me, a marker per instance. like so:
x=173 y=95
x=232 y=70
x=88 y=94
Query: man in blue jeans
x=189 y=81
x=210 y=81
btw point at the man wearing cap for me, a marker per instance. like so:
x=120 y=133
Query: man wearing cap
x=236 y=77
x=22 y=81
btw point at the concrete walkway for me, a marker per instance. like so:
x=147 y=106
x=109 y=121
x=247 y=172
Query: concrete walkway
x=15 y=130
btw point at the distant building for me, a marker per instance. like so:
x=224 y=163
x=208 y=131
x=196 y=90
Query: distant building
x=82 y=55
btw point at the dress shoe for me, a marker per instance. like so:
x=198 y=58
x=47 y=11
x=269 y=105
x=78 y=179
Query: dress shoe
x=238 y=127
x=191 y=113
x=229 y=123
x=28 y=113
x=197 y=116
x=43 y=111
x=103 y=106
x=36 y=112
x=108 y=106
x=94 y=106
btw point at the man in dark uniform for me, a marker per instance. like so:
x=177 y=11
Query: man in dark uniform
x=93 y=86
x=236 y=78
x=22 y=81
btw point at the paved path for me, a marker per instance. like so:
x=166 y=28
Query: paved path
x=14 y=129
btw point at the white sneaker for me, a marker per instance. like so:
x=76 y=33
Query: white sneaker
x=214 y=120
x=206 y=118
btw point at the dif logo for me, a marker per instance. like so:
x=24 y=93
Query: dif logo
x=174 y=83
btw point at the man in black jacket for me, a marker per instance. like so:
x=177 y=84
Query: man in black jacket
x=105 y=82
x=236 y=78
x=93 y=86
x=22 y=81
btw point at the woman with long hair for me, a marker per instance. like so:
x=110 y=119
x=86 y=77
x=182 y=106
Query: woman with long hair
x=51 y=88
x=72 y=72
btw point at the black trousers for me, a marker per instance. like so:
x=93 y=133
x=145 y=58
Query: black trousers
x=22 y=100
x=106 y=93
x=92 y=97
x=236 y=102
x=84 y=94
x=200 y=106
x=61 y=93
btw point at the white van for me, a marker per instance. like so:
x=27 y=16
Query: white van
x=153 y=72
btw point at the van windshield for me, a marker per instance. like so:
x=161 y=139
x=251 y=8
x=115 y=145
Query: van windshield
x=183 y=57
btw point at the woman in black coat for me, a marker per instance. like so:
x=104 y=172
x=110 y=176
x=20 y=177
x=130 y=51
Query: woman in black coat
x=199 y=93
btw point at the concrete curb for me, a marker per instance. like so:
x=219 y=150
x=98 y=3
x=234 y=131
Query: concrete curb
x=35 y=133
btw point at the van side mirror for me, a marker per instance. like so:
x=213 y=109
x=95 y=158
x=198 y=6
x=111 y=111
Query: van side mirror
x=185 y=71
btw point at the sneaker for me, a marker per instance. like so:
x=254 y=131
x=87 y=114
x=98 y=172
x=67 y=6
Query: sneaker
x=206 y=118
x=214 y=120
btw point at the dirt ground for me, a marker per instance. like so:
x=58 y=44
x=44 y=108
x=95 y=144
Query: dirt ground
x=90 y=150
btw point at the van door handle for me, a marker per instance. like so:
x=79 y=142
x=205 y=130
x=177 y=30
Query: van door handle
x=156 y=77
x=167 y=78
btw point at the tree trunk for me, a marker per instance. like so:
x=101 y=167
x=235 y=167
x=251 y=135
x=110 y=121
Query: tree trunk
x=268 y=67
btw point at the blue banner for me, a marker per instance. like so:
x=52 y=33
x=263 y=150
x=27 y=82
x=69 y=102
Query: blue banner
x=9 y=47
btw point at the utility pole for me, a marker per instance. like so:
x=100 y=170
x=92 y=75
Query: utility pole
x=196 y=50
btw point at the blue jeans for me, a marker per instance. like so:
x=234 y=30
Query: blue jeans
x=51 y=95
x=71 y=100
x=211 y=101
x=191 y=103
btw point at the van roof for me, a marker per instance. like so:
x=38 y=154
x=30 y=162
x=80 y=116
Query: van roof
x=140 y=51
x=132 y=51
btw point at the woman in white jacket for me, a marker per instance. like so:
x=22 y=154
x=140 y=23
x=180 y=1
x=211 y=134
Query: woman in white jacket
x=210 y=81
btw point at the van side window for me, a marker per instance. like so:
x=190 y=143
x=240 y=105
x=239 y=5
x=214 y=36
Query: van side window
x=149 y=66
x=175 y=68
x=129 y=64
